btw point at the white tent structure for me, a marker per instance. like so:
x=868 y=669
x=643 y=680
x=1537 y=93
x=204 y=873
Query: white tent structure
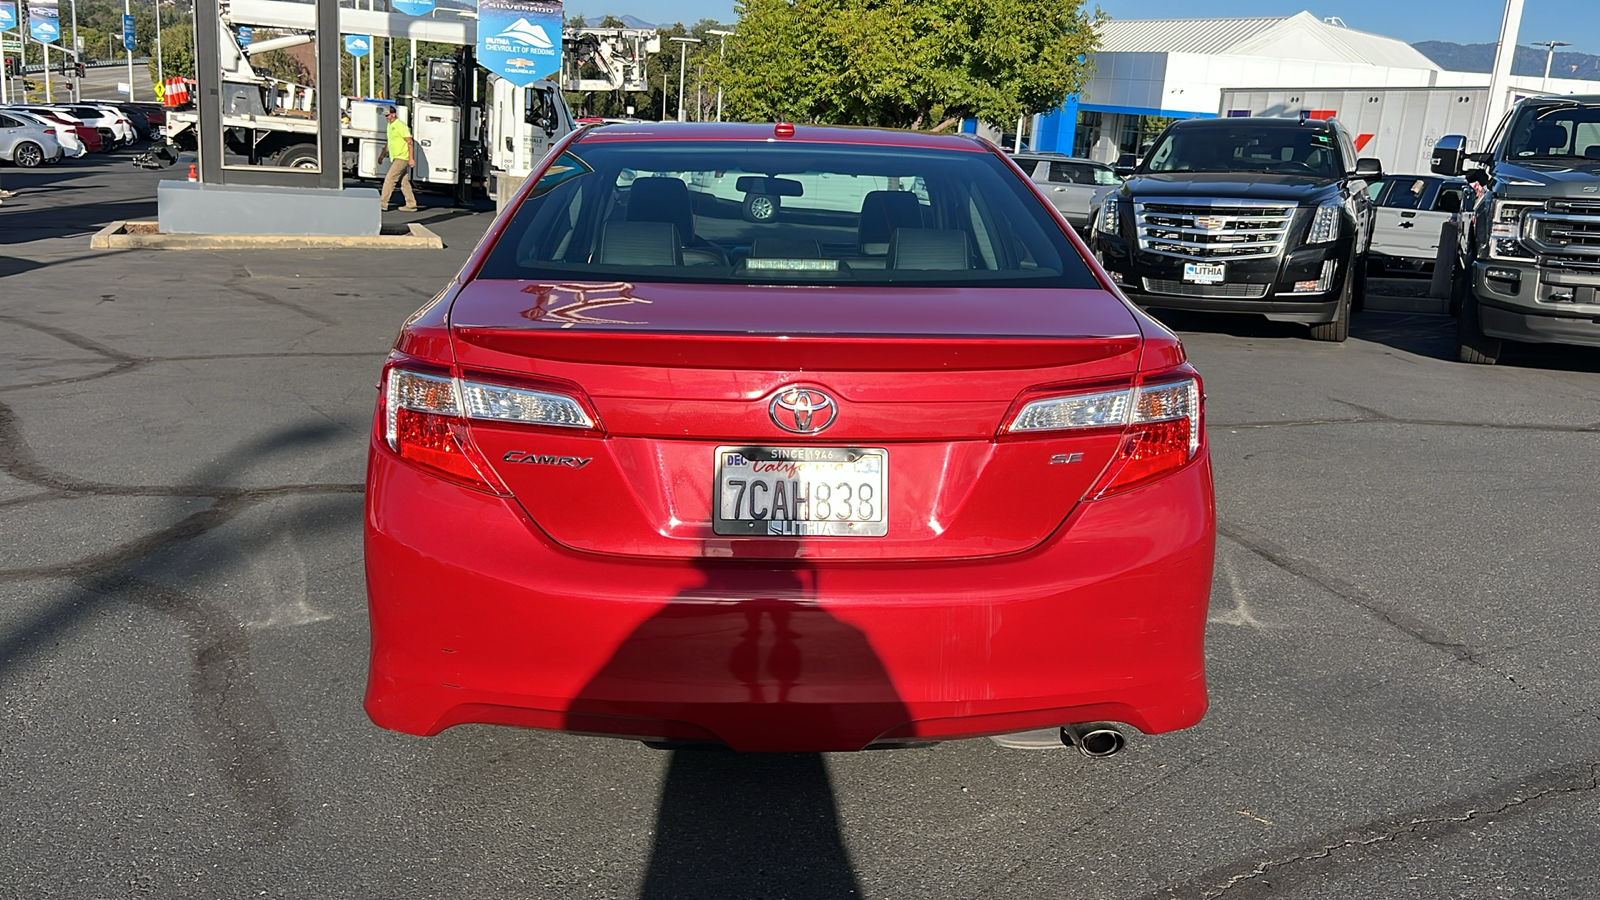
x=1178 y=68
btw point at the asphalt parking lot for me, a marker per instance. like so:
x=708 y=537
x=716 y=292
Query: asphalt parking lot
x=1403 y=657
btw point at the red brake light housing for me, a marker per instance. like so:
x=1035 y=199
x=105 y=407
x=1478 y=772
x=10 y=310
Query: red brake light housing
x=1161 y=417
x=425 y=413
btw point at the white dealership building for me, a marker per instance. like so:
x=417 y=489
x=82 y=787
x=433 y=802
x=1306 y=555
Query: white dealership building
x=1150 y=70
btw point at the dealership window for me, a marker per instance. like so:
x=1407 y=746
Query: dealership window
x=1088 y=134
x=1130 y=137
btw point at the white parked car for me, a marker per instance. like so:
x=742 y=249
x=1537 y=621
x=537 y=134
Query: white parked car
x=114 y=127
x=71 y=146
x=26 y=143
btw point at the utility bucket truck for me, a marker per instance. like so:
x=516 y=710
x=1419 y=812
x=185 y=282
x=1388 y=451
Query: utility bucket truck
x=472 y=129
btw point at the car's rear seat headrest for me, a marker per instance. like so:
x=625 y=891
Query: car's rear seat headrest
x=640 y=244
x=658 y=199
x=929 y=248
x=881 y=213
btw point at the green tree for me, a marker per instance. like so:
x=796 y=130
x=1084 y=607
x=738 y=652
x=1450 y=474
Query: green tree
x=905 y=63
x=177 y=50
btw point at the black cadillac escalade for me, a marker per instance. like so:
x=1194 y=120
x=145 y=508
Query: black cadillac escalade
x=1265 y=216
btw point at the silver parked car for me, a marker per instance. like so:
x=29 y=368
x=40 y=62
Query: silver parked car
x=27 y=143
x=1074 y=186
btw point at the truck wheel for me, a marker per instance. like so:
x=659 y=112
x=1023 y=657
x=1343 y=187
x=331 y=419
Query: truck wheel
x=1472 y=345
x=298 y=156
x=1339 y=329
x=27 y=155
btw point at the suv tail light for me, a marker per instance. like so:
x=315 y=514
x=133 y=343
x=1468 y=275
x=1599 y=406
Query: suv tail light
x=426 y=412
x=1162 y=421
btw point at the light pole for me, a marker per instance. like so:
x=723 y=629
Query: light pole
x=1549 y=57
x=127 y=12
x=1500 y=78
x=722 y=54
x=77 y=56
x=683 y=59
x=161 y=67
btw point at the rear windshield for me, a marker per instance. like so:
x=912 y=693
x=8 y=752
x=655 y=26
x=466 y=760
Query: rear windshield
x=1271 y=150
x=762 y=213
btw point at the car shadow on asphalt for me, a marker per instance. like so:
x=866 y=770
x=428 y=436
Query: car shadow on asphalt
x=1428 y=335
x=1235 y=324
x=754 y=643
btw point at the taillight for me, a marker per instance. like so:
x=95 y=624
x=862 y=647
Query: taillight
x=425 y=417
x=1162 y=422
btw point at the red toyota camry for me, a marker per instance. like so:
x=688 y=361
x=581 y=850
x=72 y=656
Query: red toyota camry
x=786 y=438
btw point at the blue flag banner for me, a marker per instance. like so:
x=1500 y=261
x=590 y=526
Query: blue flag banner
x=127 y=33
x=8 y=15
x=246 y=35
x=44 y=21
x=519 y=40
x=414 y=7
x=357 y=44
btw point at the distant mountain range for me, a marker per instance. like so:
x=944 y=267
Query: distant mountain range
x=1528 y=61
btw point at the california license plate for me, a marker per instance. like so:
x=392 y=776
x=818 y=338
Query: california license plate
x=801 y=491
x=1204 y=273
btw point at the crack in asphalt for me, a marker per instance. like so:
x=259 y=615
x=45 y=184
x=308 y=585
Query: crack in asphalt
x=237 y=283
x=1370 y=416
x=1427 y=423
x=1166 y=775
x=123 y=363
x=231 y=717
x=17 y=460
x=1315 y=859
x=1384 y=612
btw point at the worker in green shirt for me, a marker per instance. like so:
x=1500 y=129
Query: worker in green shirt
x=402 y=159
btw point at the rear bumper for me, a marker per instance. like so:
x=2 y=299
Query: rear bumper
x=477 y=617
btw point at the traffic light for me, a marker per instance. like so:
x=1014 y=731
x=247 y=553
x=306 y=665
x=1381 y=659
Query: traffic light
x=78 y=68
x=11 y=67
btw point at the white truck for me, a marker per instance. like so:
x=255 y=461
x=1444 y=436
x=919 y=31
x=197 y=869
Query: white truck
x=1397 y=126
x=469 y=129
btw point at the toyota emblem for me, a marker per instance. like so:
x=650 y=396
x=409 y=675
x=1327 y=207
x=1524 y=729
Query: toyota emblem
x=802 y=410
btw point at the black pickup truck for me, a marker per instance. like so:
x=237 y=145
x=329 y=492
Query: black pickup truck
x=1265 y=216
x=1528 y=259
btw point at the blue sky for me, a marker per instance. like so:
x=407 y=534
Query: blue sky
x=1462 y=21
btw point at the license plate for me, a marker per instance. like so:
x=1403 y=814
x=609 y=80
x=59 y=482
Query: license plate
x=1204 y=273
x=801 y=491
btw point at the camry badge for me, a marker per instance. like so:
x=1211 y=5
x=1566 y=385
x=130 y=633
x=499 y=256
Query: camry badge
x=542 y=459
x=802 y=410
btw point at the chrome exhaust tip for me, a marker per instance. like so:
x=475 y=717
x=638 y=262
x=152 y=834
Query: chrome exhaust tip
x=1095 y=740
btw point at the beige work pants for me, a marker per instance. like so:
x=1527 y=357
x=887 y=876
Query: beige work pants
x=399 y=173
